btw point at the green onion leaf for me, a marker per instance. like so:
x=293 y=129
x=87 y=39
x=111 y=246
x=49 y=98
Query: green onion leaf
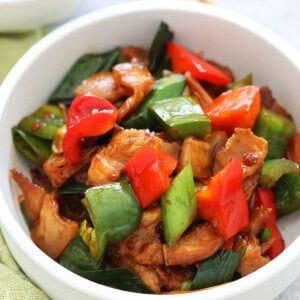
x=217 y=269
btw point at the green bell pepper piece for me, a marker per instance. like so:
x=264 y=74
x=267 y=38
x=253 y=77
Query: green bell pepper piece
x=276 y=129
x=164 y=88
x=273 y=169
x=264 y=235
x=217 y=269
x=115 y=213
x=247 y=80
x=178 y=205
x=34 y=148
x=158 y=46
x=44 y=122
x=181 y=117
x=287 y=194
x=76 y=257
x=83 y=68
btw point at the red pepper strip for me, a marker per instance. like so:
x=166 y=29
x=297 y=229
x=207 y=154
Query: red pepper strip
x=184 y=61
x=265 y=198
x=88 y=116
x=235 y=108
x=149 y=172
x=228 y=244
x=223 y=202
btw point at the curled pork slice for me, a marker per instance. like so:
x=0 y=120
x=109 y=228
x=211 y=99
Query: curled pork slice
x=135 y=54
x=33 y=194
x=199 y=243
x=136 y=77
x=157 y=278
x=59 y=170
x=103 y=85
x=171 y=277
x=146 y=273
x=199 y=155
x=249 y=185
x=197 y=91
x=52 y=233
x=258 y=218
x=293 y=152
x=143 y=246
x=110 y=161
x=252 y=259
x=249 y=148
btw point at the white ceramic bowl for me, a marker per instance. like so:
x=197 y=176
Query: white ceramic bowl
x=23 y=15
x=223 y=35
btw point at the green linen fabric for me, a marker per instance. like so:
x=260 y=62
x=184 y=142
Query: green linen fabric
x=14 y=285
x=13 y=46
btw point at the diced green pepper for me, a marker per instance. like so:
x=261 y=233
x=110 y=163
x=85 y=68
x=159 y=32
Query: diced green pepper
x=287 y=194
x=178 y=205
x=164 y=88
x=44 y=122
x=34 y=148
x=217 y=269
x=114 y=211
x=276 y=129
x=273 y=169
x=83 y=68
x=247 y=80
x=181 y=117
x=157 y=49
x=76 y=257
x=264 y=235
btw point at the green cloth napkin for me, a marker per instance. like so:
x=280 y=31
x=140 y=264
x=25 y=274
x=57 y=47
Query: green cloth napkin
x=14 y=285
x=13 y=46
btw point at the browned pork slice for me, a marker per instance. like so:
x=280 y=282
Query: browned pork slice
x=110 y=161
x=52 y=233
x=252 y=259
x=199 y=243
x=249 y=185
x=103 y=85
x=197 y=91
x=59 y=170
x=33 y=194
x=199 y=155
x=293 y=152
x=171 y=277
x=144 y=245
x=146 y=273
x=137 y=77
x=249 y=148
x=135 y=54
x=157 y=278
x=258 y=218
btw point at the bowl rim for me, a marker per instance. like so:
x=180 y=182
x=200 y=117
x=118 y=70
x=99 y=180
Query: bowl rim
x=70 y=279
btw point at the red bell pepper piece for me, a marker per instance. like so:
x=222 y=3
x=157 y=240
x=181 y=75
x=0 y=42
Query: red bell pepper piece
x=149 y=172
x=88 y=116
x=223 y=202
x=183 y=61
x=236 y=108
x=265 y=198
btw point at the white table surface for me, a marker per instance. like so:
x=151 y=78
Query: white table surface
x=282 y=16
